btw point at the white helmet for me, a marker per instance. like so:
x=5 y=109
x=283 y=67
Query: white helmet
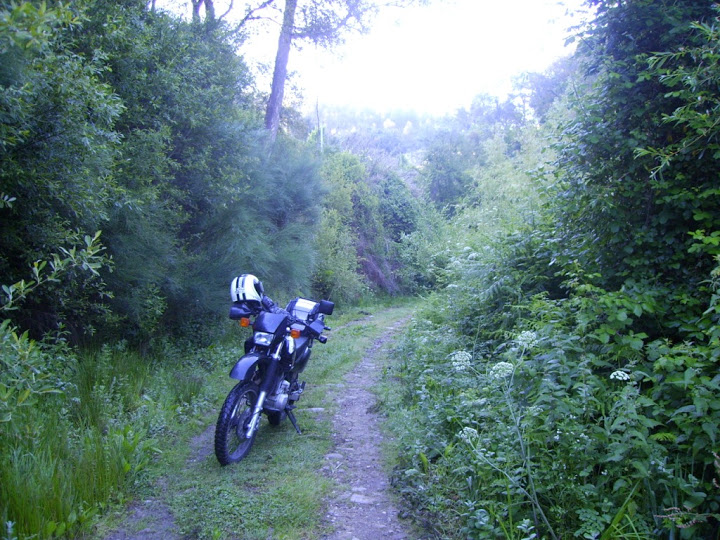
x=246 y=288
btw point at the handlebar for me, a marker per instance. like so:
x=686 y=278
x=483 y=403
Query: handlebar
x=314 y=327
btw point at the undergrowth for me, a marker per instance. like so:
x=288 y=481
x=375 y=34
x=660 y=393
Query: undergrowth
x=524 y=416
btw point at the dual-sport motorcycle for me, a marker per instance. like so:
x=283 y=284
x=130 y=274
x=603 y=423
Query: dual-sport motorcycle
x=275 y=354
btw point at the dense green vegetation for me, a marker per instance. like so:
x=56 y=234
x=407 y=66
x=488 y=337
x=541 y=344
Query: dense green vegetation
x=561 y=379
x=565 y=382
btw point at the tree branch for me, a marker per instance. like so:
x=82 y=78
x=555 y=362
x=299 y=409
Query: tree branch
x=249 y=16
x=331 y=32
x=220 y=18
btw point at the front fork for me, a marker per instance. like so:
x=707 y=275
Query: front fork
x=265 y=387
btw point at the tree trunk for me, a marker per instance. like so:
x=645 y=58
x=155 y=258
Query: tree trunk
x=196 y=10
x=209 y=10
x=272 y=114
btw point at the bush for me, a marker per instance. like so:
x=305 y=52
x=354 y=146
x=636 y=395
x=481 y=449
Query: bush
x=571 y=425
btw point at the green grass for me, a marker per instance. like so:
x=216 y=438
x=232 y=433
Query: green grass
x=67 y=455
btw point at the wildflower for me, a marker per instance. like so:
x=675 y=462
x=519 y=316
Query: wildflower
x=620 y=375
x=461 y=361
x=468 y=434
x=501 y=370
x=527 y=339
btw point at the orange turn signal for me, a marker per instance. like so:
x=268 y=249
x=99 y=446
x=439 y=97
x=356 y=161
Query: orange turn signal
x=244 y=322
x=294 y=333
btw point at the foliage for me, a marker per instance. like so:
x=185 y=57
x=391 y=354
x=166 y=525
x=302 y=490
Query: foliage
x=445 y=170
x=691 y=75
x=549 y=87
x=565 y=382
x=614 y=216
x=565 y=417
x=336 y=274
x=364 y=220
x=41 y=492
x=57 y=147
x=162 y=148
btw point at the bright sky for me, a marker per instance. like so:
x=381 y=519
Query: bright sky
x=433 y=59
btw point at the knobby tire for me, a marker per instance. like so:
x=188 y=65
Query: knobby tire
x=231 y=445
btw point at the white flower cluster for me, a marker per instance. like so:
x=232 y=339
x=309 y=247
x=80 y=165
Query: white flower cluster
x=501 y=370
x=461 y=361
x=620 y=375
x=468 y=434
x=527 y=339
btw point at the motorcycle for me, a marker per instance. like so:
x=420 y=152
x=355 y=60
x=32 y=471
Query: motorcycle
x=275 y=356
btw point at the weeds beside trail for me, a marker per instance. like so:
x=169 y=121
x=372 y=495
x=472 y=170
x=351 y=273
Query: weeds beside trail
x=281 y=489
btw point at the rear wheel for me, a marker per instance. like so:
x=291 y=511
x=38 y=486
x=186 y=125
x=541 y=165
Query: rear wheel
x=231 y=443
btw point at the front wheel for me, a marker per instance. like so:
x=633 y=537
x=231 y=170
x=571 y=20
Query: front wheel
x=231 y=444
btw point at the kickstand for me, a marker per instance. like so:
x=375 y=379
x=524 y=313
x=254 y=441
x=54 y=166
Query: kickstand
x=291 y=416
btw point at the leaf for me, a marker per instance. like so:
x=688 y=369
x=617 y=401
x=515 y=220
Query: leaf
x=711 y=429
x=425 y=462
x=664 y=437
x=50 y=528
x=23 y=396
x=683 y=410
x=611 y=529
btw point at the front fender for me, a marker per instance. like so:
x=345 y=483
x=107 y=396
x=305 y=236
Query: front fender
x=244 y=369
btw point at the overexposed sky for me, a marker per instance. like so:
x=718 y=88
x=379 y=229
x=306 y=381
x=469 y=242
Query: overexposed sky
x=435 y=59
x=432 y=59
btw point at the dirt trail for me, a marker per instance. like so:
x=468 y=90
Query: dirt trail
x=361 y=508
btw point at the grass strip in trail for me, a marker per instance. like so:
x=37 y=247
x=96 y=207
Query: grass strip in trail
x=277 y=491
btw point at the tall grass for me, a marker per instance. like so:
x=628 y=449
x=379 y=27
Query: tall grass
x=66 y=454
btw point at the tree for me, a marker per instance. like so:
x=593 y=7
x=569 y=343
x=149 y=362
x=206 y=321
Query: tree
x=548 y=87
x=202 y=199
x=445 y=169
x=322 y=22
x=57 y=147
x=319 y=21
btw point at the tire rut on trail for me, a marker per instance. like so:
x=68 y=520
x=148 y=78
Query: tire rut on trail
x=361 y=508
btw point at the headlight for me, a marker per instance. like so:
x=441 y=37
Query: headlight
x=263 y=338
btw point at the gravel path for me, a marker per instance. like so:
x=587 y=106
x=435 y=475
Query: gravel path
x=362 y=507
